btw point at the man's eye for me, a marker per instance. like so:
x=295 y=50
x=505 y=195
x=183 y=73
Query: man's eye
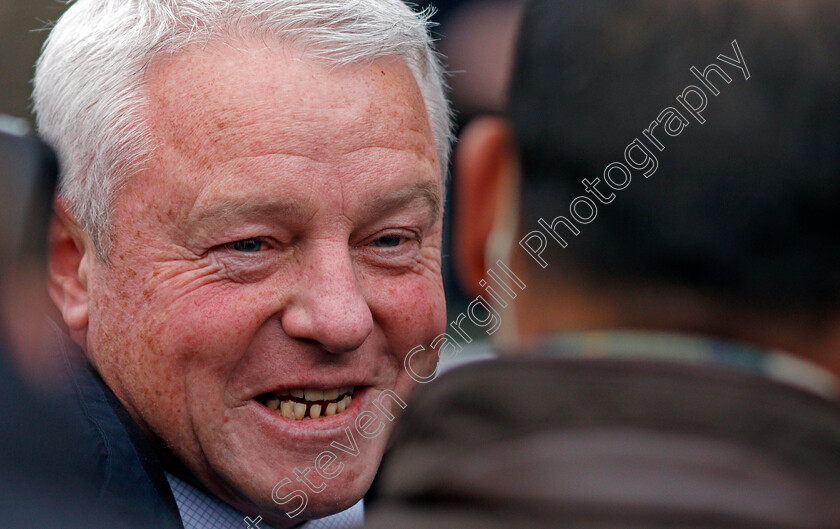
x=388 y=241
x=247 y=245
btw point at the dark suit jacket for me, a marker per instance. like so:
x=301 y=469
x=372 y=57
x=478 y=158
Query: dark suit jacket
x=612 y=443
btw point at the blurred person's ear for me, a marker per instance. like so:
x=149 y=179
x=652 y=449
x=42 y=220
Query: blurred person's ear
x=71 y=254
x=487 y=171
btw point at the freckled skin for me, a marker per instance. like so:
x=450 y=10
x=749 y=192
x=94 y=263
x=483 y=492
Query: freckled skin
x=187 y=330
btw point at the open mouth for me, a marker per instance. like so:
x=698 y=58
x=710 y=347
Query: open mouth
x=304 y=404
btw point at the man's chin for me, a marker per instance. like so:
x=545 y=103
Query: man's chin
x=318 y=506
x=287 y=500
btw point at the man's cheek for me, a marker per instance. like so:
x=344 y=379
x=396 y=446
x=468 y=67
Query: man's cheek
x=434 y=311
x=417 y=308
x=212 y=321
x=420 y=364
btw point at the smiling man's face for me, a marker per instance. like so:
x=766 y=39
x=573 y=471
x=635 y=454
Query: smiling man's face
x=285 y=241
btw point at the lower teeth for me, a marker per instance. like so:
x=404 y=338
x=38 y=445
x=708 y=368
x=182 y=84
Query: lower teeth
x=299 y=411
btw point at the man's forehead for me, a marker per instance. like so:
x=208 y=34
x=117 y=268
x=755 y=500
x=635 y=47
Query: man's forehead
x=236 y=126
x=216 y=99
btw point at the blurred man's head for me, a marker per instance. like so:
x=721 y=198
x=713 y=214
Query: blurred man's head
x=732 y=110
x=250 y=227
x=27 y=179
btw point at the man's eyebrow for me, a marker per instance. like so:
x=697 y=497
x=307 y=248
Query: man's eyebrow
x=244 y=208
x=248 y=209
x=425 y=191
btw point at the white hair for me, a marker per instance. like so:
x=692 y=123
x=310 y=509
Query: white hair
x=88 y=80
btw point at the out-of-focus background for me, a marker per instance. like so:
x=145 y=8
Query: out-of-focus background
x=23 y=28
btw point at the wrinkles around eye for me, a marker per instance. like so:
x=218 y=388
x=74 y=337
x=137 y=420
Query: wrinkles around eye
x=255 y=258
x=247 y=260
x=394 y=251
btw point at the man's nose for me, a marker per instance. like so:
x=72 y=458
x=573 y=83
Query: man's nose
x=330 y=307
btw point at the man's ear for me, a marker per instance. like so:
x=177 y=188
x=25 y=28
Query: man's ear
x=486 y=171
x=71 y=255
